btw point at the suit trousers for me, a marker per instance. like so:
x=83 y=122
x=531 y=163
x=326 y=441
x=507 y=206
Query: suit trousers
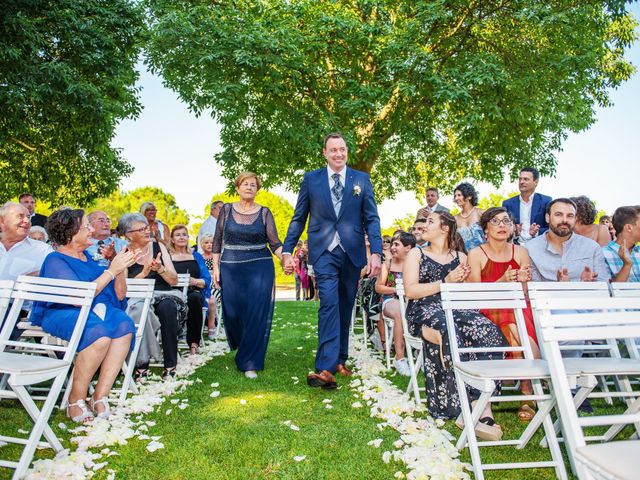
x=337 y=283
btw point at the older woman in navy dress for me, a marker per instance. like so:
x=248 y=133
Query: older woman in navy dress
x=109 y=333
x=243 y=269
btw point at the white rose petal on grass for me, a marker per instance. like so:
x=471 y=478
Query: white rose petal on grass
x=168 y=412
x=62 y=426
x=327 y=400
x=300 y=458
x=299 y=348
x=356 y=405
x=243 y=401
x=398 y=474
x=386 y=457
x=153 y=446
x=328 y=406
x=375 y=443
x=294 y=427
x=112 y=474
x=215 y=385
x=215 y=394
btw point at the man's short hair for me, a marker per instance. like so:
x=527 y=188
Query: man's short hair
x=330 y=136
x=25 y=195
x=568 y=201
x=627 y=215
x=7 y=206
x=432 y=189
x=532 y=171
x=216 y=202
x=420 y=220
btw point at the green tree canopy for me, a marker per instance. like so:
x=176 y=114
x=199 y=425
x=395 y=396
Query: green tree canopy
x=119 y=203
x=67 y=76
x=426 y=92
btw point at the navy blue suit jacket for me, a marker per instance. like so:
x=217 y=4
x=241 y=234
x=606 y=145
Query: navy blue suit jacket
x=538 y=210
x=358 y=213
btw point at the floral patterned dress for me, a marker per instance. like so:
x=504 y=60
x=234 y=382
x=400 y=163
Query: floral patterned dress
x=472 y=328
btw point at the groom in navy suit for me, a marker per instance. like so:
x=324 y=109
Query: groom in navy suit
x=339 y=203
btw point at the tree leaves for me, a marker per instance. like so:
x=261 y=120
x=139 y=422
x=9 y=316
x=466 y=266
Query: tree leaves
x=426 y=92
x=67 y=76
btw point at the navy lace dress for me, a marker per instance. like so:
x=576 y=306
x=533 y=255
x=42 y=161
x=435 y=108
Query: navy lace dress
x=247 y=280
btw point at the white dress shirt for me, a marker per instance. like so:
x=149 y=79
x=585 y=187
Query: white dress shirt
x=525 y=218
x=23 y=258
x=343 y=176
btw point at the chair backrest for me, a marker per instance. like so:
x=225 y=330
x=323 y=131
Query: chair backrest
x=625 y=289
x=183 y=282
x=52 y=290
x=141 y=288
x=6 y=287
x=567 y=290
x=507 y=296
x=570 y=290
x=596 y=318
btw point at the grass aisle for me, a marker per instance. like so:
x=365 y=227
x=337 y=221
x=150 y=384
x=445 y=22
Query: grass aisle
x=224 y=438
x=246 y=432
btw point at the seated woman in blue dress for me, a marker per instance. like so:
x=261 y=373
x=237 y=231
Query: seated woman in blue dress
x=109 y=333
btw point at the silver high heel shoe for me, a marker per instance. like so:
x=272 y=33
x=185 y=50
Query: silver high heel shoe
x=104 y=401
x=85 y=415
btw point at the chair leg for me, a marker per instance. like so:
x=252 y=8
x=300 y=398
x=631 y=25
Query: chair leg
x=470 y=420
x=40 y=426
x=387 y=343
x=67 y=391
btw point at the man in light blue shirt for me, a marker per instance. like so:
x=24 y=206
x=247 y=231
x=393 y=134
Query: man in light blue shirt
x=623 y=254
x=559 y=255
x=101 y=250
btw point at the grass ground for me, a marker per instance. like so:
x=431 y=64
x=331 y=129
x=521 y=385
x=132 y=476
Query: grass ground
x=224 y=438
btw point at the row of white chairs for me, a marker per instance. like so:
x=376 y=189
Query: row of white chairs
x=559 y=314
x=24 y=364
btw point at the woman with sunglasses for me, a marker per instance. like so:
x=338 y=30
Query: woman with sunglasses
x=155 y=263
x=499 y=260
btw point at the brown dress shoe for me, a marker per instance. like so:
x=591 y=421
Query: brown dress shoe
x=324 y=379
x=343 y=370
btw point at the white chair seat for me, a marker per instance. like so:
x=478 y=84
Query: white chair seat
x=603 y=365
x=613 y=460
x=504 y=369
x=14 y=363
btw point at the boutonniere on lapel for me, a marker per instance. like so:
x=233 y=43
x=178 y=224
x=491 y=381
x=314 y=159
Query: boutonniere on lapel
x=357 y=190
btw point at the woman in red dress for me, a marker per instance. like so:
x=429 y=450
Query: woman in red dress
x=499 y=260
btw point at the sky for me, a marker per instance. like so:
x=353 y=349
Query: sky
x=171 y=148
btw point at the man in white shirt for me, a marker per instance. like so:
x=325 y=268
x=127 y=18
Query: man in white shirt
x=19 y=254
x=529 y=208
x=209 y=225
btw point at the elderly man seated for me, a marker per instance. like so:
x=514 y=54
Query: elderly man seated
x=103 y=246
x=19 y=254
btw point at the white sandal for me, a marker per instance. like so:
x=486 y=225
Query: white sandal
x=104 y=401
x=85 y=414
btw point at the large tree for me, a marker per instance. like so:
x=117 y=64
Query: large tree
x=67 y=76
x=119 y=203
x=425 y=91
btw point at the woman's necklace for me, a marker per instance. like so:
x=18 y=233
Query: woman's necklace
x=245 y=209
x=468 y=214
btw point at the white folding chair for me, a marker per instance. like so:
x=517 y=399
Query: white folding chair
x=411 y=343
x=24 y=369
x=543 y=290
x=183 y=282
x=625 y=289
x=136 y=289
x=388 y=335
x=592 y=319
x=483 y=374
x=217 y=293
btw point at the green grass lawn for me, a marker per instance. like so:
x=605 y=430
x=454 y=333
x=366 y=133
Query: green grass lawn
x=241 y=434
